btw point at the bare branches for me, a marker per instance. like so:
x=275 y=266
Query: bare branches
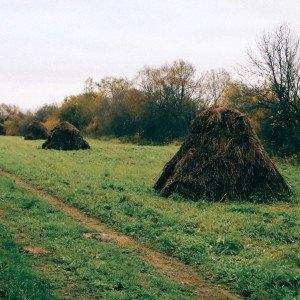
x=276 y=67
x=214 y=83
x=89 y=86
x=174 y=83
x=114 y=88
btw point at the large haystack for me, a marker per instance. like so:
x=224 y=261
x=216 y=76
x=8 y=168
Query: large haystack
x=2 y=129
x=65 y=136
x=222 y=158
x=36 y=131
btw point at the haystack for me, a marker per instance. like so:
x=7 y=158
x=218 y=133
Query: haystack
x=65 y=136
x=36 y=131
x=222 y=158
x=2 y=129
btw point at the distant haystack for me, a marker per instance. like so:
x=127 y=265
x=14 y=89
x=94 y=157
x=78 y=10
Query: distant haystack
x=222 y=158
x=36 y=131
x=2 y=129
x=65 y=136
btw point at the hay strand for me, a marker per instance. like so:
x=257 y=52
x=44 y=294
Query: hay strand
x=222 y=158
x=65 y=136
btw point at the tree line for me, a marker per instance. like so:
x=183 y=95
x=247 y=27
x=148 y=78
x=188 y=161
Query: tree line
x=160 y=102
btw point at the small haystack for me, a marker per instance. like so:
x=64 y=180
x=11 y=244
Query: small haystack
x=36 y=131
x=2 y=129
x=65 y=136
x=222 y=158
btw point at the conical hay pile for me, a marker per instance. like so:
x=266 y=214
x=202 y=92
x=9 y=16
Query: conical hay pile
x=222 y=158
x=36 y=131
x=2 y=130
x=65 y=136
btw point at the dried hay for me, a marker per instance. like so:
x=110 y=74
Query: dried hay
x=222 y=158
x=36 y=131
x=65 y=136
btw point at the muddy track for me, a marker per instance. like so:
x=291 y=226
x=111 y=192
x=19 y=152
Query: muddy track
x=169 y=266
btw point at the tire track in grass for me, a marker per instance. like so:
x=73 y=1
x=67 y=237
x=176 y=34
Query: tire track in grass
x=169 y=266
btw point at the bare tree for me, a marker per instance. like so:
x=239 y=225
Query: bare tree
x=214 y=84
x=172 y=98
x=89 y=86
x=276 y=69
x=7 y=111
x=114 y=88
x=175 y=82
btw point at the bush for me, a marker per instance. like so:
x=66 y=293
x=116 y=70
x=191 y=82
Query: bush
x=280 y=139
x=78 y=110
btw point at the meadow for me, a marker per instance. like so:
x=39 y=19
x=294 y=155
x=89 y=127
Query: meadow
x=248 y=247
x=45 y=254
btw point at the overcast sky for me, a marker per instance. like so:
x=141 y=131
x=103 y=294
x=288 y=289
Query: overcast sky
x=48 y=48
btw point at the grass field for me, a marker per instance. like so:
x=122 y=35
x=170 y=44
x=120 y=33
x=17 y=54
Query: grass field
x=250 y=248
x=60 y=262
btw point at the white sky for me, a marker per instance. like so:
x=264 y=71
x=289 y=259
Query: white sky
x=48 y=48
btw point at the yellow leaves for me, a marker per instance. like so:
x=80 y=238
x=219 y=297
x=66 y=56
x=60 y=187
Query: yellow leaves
x=51 y=122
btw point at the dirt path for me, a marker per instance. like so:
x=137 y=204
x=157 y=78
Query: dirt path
x=169 y=266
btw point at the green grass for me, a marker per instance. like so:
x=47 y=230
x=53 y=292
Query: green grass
x=250 y=248
x=70 y=265
x=17 y=280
